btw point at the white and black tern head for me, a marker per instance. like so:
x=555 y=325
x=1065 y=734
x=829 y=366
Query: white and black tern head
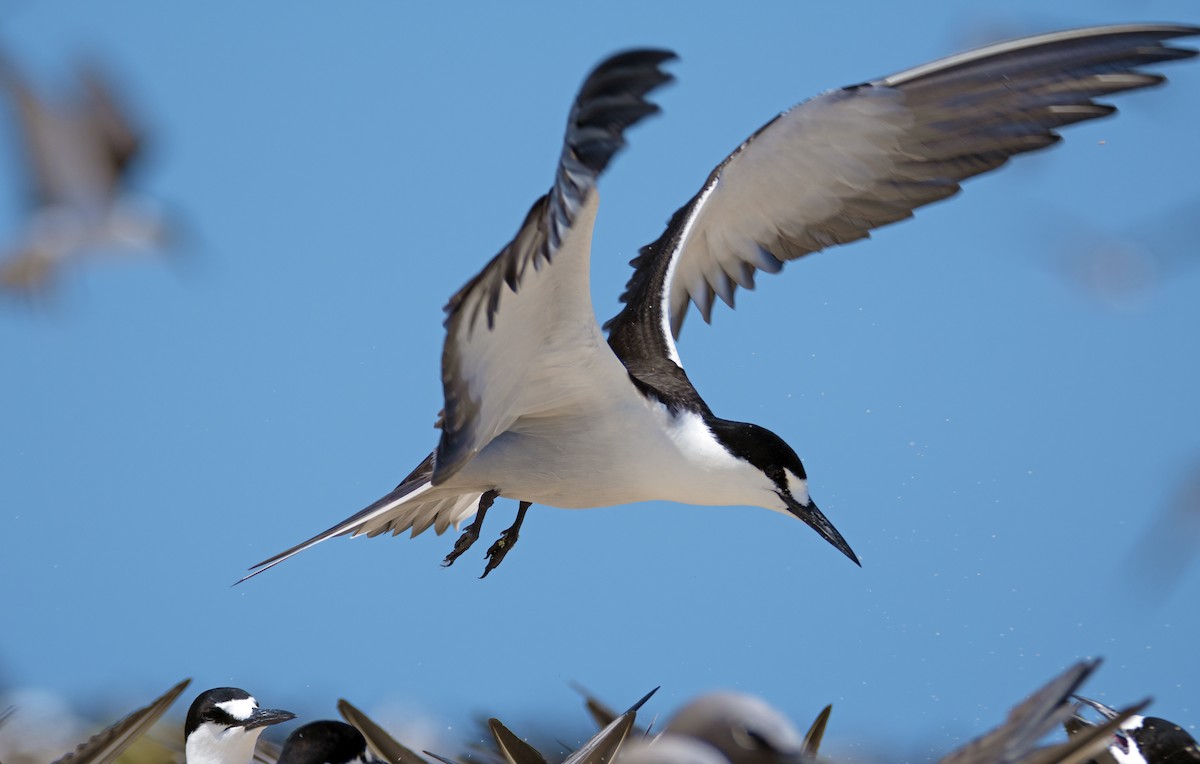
x=1141 y=739
x=223 y=725
x=326 y=742
x=540 y=408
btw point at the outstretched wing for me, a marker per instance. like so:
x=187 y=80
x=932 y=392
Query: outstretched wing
x=528 y=314
x=117 y=136
x=831 y=169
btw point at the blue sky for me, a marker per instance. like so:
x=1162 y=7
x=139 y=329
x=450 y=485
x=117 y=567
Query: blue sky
x=996 y=436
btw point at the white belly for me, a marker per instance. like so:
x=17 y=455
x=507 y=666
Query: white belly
x=632 y=452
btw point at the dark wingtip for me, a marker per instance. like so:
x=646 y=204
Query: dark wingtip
x=611 y=100
x=637 y=706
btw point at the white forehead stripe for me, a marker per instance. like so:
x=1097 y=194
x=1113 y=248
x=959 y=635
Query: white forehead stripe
x=797 y=487
x=239 y=709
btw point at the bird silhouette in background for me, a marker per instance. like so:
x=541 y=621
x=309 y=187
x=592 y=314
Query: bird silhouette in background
x=79 y=154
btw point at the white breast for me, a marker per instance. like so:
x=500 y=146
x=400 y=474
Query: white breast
x=632 y=450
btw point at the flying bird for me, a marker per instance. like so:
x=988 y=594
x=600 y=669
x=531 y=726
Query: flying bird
x=79 y=154
x=542 y=408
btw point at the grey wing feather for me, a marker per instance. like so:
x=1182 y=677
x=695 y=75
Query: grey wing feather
x=833 y=168
x=512 y=748
x=107 y=745
x=604 y=745
x=1027 y=723
x=611 y=100
x=816 y=732
x=383 y=744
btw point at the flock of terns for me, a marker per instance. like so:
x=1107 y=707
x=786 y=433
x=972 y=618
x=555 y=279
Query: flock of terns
x=224 y=724
x=542 y=407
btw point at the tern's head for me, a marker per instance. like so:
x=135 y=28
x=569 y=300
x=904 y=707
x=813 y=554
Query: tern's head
x=1142 y=739
x=785 y=479
x=223 y=726
x=325 y=742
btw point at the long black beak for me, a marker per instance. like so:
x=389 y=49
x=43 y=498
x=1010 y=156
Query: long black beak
x=819 y=523
x=265 y=716
x=1103 y=710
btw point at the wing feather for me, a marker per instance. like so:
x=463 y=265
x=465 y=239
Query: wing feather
x=512 y=323
x=107 y=745
x=833 y=168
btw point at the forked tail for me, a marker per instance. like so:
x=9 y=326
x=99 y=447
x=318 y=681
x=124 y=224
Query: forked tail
x=408 y=506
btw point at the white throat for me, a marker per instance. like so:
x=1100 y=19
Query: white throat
x=216 y=744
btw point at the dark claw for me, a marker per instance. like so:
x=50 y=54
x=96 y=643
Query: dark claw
x=469 y=537
x=471 y=534
x=497 y=551
x=507 y=540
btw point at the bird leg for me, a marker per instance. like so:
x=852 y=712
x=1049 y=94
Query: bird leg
x=506 y=541
x=471 y=534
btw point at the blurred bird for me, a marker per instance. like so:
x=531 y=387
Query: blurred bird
x=223 y=726
x=326 y=742
x=539 y=408
x=743 y=728
x=734 y=726
x=107 y=745
x=79 y=156
x=1138 y=739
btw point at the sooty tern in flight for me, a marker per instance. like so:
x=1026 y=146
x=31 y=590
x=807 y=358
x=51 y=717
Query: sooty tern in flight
x=540 y=408
x=223 y=726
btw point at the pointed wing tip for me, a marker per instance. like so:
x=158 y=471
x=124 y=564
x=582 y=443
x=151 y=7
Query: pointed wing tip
x=638 y=705
x=816 y=733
